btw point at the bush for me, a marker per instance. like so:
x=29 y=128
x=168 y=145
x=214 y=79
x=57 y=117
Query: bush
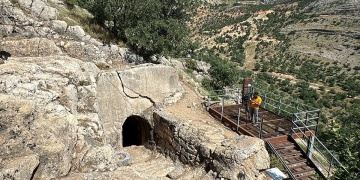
x=224 y=73
x=191 y=64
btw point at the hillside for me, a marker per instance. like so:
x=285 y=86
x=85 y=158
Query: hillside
x=74 y=106
x=304 y=50
x=73 y=97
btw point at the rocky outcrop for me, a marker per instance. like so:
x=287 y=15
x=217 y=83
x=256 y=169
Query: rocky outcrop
x=331 y=33
x=342 y=7
x=124 y=93
x=241 y=157
x=63 y=104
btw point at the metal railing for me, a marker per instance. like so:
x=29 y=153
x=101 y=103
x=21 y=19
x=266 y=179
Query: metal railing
x=324 y=160
x=304 y=119
x=282 y=106
x=292 y=176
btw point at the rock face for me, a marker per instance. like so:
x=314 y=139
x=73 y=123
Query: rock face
x=63 y=105
x=124 y=93
x=240 y=157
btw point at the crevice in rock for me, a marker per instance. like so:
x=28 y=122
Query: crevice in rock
x=141 y=96
x=34 y=172
x=42 y=10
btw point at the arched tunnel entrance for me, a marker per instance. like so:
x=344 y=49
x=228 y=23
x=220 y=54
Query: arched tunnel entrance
x=135 y=131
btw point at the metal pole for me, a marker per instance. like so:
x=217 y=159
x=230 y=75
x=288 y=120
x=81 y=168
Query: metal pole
x=261 y=126
x=292 y=124
x=238 y=96
x=306 y=120
x=222 y=108
x=279 y=108
x=331 y=164
x=317 y=123
x=310 y=146
x=238 y=120
x=265 y=100
x=208 y=104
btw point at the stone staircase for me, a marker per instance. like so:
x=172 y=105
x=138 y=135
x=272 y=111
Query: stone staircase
x=153 y=165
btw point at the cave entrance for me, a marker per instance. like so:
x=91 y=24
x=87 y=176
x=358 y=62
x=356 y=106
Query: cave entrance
x=135 y=131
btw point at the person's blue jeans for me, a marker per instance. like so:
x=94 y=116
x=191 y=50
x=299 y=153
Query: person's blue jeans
x=254 y=112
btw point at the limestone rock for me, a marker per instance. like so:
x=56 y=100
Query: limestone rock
x=121 y=94
x=25 y=4
x=243 y=156
x=94 y=53
x=44 y=11
x=55 y=144
x=75 y=32
x=152 y=82
x=177 y=64
x=64 y=99
x=19 y=167
x=31 y=47
x=228 y=158
x=59 y=26
x=98 y=159
x=16 y=118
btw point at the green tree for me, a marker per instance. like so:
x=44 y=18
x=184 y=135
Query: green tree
x=344 y=137
x=223 y=73
x=148 y=27
x=156 y=37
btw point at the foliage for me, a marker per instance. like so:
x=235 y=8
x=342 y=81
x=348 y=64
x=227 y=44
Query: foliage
x=222 y=21
x=344 y=138
x=191 y=64
x=223 y=73
x=148 y=27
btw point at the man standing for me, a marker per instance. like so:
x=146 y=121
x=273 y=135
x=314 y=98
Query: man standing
x=254 y=107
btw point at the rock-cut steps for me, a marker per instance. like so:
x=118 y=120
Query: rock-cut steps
x=150 y=164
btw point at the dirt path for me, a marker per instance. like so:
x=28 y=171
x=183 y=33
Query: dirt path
x=190 y=110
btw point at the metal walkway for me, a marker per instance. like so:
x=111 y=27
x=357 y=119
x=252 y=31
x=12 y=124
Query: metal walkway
x=288 y=128
x=274 y=130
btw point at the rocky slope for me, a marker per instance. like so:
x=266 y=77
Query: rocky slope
x=65 y=97
x=332 y=34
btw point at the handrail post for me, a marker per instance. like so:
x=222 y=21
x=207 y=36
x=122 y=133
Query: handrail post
x=279 y=107
x=292 y=124
x=238 y=96
x=261 y=126
x=265 y=100
x=208 y=104
x=222 y=107
x=331 y=164
x=306 y=120
x=310 y=146
x=317 y=122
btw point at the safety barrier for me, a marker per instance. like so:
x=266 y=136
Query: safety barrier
x=324 y=160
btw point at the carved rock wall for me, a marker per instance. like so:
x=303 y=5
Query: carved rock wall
x=234 y=158
x=129 y=92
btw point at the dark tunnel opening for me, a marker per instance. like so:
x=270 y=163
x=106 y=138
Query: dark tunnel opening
x=135 y=131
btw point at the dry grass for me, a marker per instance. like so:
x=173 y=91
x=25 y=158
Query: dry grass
x=80 y=17
x=276 y=163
